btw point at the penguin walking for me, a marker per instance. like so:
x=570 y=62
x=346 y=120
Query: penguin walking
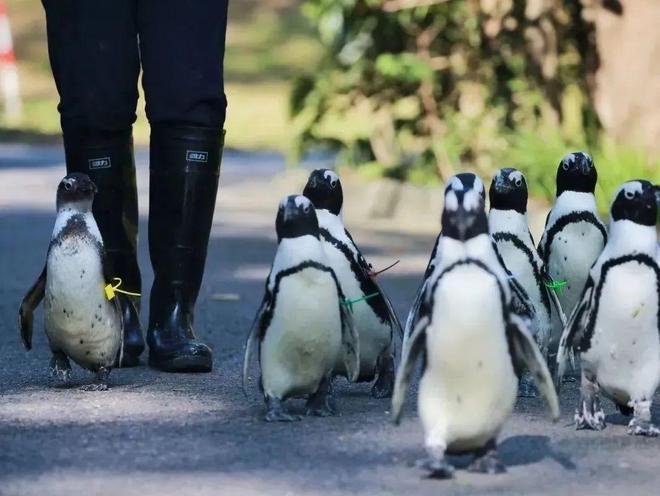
x=509 y=229
x=373 y=314
x=473 y=343
x=615 y=327
x=574 y=236
x=303 y=325
x=80 y=322
x=460 y=184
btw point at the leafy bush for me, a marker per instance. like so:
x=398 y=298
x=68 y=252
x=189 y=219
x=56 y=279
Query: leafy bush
x=418 y=89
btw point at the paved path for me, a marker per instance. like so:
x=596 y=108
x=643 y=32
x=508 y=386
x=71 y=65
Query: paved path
x=172 y=434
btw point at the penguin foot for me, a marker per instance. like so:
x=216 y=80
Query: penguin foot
x=639 y=427
x=526 y=388
x=589 y=418
x=321 y=403
x=60 y=367
x=487 y=461
x=384 y=385
x=94 y=387
x=275 y=412
x=436 y=468
x=101 y=383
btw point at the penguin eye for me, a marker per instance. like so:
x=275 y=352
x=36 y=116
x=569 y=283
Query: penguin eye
x=518 y=183
x=565 y=166
x=67 y=186
x=333 y=183
x=629 y=195
x=306 y=209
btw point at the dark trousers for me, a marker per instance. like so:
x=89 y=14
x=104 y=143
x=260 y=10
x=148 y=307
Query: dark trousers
x=96 y=48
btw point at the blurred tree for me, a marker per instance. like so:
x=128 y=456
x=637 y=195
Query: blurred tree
x=413 y=87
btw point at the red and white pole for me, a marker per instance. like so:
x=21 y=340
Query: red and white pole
x=9 y=85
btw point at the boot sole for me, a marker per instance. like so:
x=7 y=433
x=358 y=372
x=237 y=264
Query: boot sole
x=191 y=364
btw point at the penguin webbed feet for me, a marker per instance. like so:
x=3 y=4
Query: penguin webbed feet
x=437 y=468
x=641 y=424
x=486 y=460
x=385 y=373
x=276 y=412
x=589 y=414
x=322 y=402
x=60 y=368
x=101 y=382
x=435 y=463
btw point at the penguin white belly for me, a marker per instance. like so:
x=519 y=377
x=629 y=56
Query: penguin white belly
x=625 y=346
x=469 y=387
x=572 y=253
x=79 y=320
x=520 y=266
x=374 y=334
x=303 y=339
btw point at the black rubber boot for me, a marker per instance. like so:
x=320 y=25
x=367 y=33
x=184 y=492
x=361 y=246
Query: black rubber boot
x=185 y=168
x=107 y=158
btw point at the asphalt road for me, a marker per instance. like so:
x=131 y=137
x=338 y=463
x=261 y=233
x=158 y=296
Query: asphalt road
x=174 y=434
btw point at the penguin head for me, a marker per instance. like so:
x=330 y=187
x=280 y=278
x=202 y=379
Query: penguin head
x=576 y=172
x=76 y=189
x=636 y=201
x=324 y=189
x=508 y=191
x=465 y=181
x=464 y=215
x=296 y=217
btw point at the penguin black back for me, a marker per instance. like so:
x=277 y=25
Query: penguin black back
x=576 y=172
x=324 y=189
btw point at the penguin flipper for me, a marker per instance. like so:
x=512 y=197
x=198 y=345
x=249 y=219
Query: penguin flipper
x=252 y=341
x=416 y=343
x=574 y=330
x=412 y=316
x=524 y=350
x=350 y=343
x=31 y=301
x=394 y=321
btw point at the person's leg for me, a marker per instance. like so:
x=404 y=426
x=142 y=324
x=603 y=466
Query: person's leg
x=94 y=56
x=182 y=49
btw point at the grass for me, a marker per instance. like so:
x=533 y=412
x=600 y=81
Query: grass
x=268 y=43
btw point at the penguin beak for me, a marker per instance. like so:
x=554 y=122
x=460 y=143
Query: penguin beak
x=290 y=211
x=464 y=221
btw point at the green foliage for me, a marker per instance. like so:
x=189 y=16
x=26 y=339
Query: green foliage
x=424 y=87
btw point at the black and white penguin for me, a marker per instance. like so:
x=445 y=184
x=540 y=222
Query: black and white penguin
x=574 y=236
x=81 y=323
x=473 y=345
x=509 y=228
x=615 y=327
x=373 y=315
x=459 y=183
x=303 y=325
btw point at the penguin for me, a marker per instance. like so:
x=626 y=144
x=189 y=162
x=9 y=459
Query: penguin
x=509 y=228
x=461 y=183
x=615 y=327
x=473 y=343
x=303 y=323
x=373 y=314
x=81 y=323
x=574 y=235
